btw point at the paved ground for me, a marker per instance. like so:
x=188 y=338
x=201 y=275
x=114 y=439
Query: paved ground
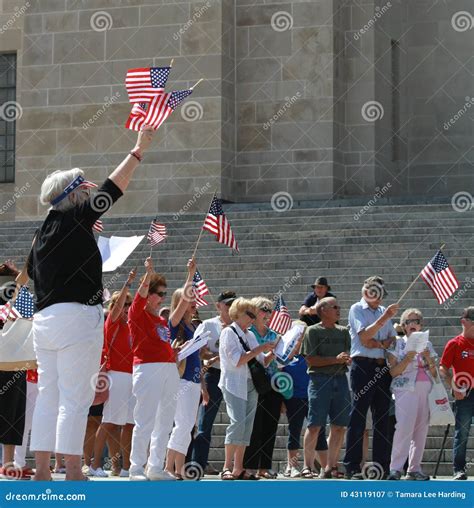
x=217 y=478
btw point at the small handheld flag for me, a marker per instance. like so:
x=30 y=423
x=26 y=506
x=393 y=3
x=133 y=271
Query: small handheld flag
x=280 y=320
x=217 y=224
x=157 y=233
x=440 y=278
x=144 y=83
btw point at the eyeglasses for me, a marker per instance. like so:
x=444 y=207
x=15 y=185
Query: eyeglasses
x=159 y=293
x=251 y=315
x=413 y=322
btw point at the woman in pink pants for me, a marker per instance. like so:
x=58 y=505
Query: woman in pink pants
x=410 y=386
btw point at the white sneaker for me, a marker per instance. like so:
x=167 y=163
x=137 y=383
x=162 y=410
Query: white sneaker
x=137 y=475
x=99 y=472
x=86 y=470
x=294 y=473
x=124 y=473
x=156 y=475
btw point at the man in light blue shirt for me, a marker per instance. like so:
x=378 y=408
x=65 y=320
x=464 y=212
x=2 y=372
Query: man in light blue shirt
x=372 y=333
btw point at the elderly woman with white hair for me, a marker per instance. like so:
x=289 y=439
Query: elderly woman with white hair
x=412 y=375
x=68 y=329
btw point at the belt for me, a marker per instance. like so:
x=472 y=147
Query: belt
x=378 y=361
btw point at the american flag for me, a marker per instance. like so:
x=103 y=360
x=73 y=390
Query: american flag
x=159 y=109
x=199 y=284
x=5 y=312
x=145 y=82
x=440 y=278
x=217 y=224
x=280 y=320
x=157 y=233
x=98 y=226
x=200 y=302
x=136 y=117
x=24 y=303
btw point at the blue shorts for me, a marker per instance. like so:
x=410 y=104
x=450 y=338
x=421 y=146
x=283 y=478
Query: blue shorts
x=328 y=396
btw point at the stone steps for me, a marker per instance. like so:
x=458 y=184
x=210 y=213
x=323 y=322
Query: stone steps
x=287 y=251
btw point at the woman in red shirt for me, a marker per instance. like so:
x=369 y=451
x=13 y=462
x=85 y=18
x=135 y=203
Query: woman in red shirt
x=155 y=379
x=117 y=419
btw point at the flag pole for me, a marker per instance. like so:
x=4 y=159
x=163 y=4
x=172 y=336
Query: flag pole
x=200 y=233
x=195 y=85
x=413 y=283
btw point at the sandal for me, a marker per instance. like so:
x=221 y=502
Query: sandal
x=246 y=476
x=227 y=475
x=307 y=474
x=336 y=474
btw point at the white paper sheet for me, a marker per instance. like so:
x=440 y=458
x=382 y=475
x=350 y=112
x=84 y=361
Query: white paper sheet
x=116 y=249
x=418 y=341
x=287 y=343
x=193 y=345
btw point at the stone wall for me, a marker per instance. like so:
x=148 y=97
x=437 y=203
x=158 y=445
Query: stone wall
x=283 y=107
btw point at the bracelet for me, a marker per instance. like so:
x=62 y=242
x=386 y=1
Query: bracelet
x=136 y=155
x=128 y=285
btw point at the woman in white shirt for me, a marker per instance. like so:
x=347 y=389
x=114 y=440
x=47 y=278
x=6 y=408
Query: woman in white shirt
x=411 y=385
x=237 y=386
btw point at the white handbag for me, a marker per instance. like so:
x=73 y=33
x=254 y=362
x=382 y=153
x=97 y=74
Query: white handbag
x=16 y=345
x=440 y=409
x=16 y=337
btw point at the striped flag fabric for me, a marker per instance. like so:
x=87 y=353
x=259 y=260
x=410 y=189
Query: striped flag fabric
x=98 y=226
x=440 y=278
x=136 y=117
x=144 y=83
x=5 y=312
x=157 y=111
x=280 y=320
x=199 y=284
x=157 y=233
x=200 y=302
x=217 y=224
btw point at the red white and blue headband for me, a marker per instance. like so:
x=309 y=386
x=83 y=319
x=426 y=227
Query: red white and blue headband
x=77 y=182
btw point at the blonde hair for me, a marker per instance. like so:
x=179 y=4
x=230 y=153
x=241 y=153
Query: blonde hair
x=55 y=183
x=240 y=306
x=261 y=301
x=115 y=296
x=407 y=312
x=176 y=298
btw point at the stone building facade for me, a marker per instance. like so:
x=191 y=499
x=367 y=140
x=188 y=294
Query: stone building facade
x=320 y=99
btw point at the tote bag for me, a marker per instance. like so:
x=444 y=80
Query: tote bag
x=440 y=409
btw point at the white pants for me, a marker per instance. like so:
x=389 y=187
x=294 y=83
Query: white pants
x=68 y=339
x=155 y=386
x=20 y=451
x=185 y=415
x=118 y=408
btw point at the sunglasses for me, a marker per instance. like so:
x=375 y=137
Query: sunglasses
x=266 y=310
x=413 y=322
x=159 y=293
x=251 y=315
x=337 y=307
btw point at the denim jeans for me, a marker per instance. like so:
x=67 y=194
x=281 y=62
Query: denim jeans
x=206 y=416
x=464 y=410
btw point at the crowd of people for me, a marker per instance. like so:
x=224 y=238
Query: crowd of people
x=157 y=416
